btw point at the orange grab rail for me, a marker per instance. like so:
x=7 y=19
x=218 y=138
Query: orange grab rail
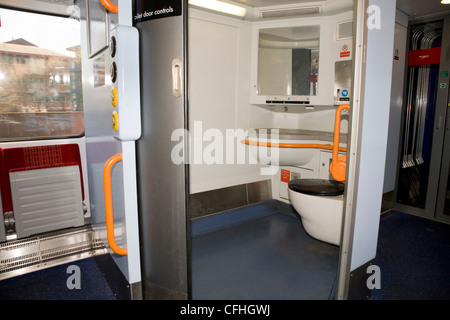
x=292 y=145
x=338 y=166
x=110 y=6
x=109 y=205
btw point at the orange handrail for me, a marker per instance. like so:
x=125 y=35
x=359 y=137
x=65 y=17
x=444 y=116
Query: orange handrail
x=292 y=145
x=338 y=166
x=109 y=205
x=110 y=6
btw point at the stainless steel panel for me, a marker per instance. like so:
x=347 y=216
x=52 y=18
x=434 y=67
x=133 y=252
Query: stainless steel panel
x=205 y=203
x=343 y=81
x=162 y=185
x=46 y=250
x=259 y=191
x=209 y=202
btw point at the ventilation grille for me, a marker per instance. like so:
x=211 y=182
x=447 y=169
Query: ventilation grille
x=345 y=30
x=291 y=12
x=40 y=252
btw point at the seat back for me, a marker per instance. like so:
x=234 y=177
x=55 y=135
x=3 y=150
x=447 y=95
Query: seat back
x=14 y=160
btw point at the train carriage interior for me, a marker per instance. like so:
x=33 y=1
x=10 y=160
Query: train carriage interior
x=258 y=150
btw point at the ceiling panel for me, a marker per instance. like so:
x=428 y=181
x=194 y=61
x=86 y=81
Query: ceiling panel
x=423 y=8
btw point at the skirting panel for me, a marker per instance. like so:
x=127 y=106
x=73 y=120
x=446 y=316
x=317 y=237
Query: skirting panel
x=209 y=202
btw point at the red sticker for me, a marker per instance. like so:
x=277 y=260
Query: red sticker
x=285 y=176
x=424 y=56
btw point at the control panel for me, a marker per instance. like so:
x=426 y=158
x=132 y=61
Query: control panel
x=125 y=92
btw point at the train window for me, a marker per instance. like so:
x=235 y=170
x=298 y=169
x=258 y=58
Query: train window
x=40 y=76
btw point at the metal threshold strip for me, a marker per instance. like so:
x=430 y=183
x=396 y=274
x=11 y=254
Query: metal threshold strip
x=48 y=250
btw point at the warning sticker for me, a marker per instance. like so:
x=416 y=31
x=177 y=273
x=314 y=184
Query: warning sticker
x=285 y=176
x=345 y=51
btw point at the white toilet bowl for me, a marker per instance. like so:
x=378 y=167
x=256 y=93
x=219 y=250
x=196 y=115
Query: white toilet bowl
x=320 y=204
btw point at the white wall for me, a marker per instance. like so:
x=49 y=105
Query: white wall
x=219 y=71
x=222 y=62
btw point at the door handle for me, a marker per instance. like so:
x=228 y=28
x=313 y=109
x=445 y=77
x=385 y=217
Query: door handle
x=109 y=214
x=176 y=78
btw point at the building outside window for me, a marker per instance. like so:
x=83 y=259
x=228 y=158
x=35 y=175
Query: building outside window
x=40 y=77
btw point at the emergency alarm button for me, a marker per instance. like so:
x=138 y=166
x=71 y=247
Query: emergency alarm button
x=114 y=97
x=115 y=121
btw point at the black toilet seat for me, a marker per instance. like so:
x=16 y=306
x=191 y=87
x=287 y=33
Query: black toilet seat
x=317 y=187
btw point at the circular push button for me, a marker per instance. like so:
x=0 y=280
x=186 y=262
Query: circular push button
x=113 y=72
x=114 y=97
x=113 y=46
x=115 y=121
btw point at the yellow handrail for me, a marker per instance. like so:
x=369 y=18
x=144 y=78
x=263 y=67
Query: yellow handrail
x=292 y=145
x=338 y=166
x=110 y=6
x=109 y=205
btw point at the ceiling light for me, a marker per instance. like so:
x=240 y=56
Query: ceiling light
x=445 y=1
x=220 y=6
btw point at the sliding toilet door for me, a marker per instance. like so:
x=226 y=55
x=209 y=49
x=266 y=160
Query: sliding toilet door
x=162 y=183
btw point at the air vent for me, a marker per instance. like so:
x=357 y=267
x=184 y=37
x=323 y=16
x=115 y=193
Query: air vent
x=291 y=12
x=345 y=30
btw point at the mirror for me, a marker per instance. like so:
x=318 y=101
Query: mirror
x=288 y=61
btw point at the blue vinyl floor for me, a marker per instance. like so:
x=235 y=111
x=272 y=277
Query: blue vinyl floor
x=261 y=252
x=263 y=255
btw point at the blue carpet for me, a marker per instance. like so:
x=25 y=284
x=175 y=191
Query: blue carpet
x=414 y=258
x=51 y=284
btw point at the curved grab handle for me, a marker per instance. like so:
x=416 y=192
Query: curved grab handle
x=110 y=6
x=109 y=205
x=338 y=166
x=291 y=145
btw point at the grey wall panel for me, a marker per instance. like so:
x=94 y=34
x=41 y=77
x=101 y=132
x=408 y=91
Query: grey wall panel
x=162 y=184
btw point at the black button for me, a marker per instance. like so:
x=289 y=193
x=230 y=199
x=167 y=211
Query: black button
x=113 y=72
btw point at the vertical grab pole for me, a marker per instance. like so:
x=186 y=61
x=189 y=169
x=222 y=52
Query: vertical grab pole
x=109 y=214
x=338 y=165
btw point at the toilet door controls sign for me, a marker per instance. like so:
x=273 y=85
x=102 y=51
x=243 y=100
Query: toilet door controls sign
x=145 y=10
